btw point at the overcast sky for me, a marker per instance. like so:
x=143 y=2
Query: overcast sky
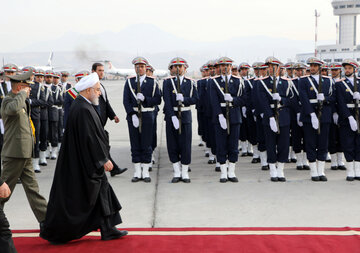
x=26 y=21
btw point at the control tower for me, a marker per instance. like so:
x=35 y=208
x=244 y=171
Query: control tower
x=347 y=12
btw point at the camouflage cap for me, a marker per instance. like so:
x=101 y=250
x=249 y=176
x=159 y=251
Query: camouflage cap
x=23 y=78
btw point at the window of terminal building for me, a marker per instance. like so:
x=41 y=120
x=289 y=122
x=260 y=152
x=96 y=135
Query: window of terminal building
x=357 y=6
x=327 y=60
x=350 y=6
x=336 y=7
x=345 y=49
x=323 y=50
x=342 y=6
x=333 y=50
x=338 y=60
x=358 y=59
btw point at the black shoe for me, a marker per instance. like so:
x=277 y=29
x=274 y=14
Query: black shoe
x=341 y=167
x=233 y=179
x=18 y=181
x=293 y=160
x=249 y=154
x=201 y=144
x=334 y=168
x=175 y=180
x=207 y=155
x=135 y=179
x=306 y=167
x=350 y=178
x=300 y=167
x=212 y=161
x=223 y=180
x=255 y=160
x=243 y=154
x=357 y=178
x=117 y=171
x=37 y=171
x=288 y=161
x=315 y=179
x=217 y=169
x=43 y=164
x=186 y=180
x=112 y=234
x=328 y=160
x=274 y=179
x=281 y=179
x=265 y=167
x=150 y=169
x=147 y=180
x=189 y=170
x=323 y=178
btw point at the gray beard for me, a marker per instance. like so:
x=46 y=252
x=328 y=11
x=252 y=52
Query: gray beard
x=95 y=101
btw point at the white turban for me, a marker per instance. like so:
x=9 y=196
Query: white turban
x=87 y=82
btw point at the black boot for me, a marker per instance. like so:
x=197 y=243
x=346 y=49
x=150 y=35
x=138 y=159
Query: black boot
x=109 y=232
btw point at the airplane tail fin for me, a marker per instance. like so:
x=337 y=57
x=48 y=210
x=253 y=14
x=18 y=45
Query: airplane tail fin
x=50 y=59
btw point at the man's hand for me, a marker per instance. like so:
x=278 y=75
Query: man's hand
x=27 y=89
x=4 y=191
x=108 y=166
x=117 y=120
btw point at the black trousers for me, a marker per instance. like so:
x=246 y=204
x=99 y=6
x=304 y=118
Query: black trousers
x=54 y=133
x=44 y=129
x=1 y=144
x=6 y=241
x=61 y=125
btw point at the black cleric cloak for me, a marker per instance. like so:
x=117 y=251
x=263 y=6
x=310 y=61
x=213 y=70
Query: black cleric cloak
x=80 y=195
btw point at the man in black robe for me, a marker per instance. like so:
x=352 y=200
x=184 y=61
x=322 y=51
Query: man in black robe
x=81 y=198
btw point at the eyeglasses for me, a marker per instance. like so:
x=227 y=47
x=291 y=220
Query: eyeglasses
x=97 y=89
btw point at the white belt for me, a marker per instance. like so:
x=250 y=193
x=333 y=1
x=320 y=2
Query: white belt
x=57 y=106
x=143 y=109
x=224 y=105
x=183 y=109
x=273 y=106
x=351 y=105
x=313 y=101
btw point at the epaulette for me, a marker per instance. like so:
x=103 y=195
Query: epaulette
x=131 y=77
x=263 y=78
x=251 y=78
x=238 y=77
x=204 y=78
x=327 y=77
x=73 y=92
x=304 y=76
x=288 y=79
x=153 y=77
x=189 y=78
x=169 y=77
x=214 y=77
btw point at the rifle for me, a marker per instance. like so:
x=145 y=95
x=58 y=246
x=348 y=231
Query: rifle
x=227 y=103
x=276 y=103
x=320 y=103
x=178 y=91
x=356 y=102
x=138 y=101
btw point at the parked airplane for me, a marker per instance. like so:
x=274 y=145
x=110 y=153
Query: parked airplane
x=112 y=70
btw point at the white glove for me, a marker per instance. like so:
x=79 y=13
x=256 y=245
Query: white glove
x=254 y=118
x=175 y=122
x=179 y=97
x=273 y=125
x=314 y=120
x=276 y=96
x=244 y=111
x=135 y=120
x=140 y=97
x=356 y=95
x=262 y=115
x=320 y=97
x=300 y=124
x=353 y=123
x=228 y=97
x=222 y=121
x=335 y=118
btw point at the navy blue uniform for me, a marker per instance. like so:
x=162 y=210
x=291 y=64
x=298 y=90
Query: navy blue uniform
x=316 y=145
x=54 y=114
x=250 y=107
x=227 y=145
x=141 y=143
x=44 y=117
x=334 y=137
x=179 y=145
x=350 y=140
x=260 y=137
x=200 y=107
x=277 y=145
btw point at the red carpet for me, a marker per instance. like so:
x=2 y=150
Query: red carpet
x=257 y=240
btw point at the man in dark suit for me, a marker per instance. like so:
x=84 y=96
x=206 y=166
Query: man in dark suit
x=105 y=110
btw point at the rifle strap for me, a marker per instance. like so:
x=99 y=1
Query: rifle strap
x=348 y=88
x=132 y=91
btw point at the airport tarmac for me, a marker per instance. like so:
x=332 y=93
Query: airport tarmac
x=253 y=202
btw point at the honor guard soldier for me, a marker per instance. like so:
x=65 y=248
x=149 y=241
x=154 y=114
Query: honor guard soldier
x=44 y=117
x=180 y=93
x=55 y=116
x=347 y=94
x=5 y=87
x=296 y=126
x=71 y=94
x=260 y=70
x=316 y=96
x=64 y=81
x=227 y=96
x=273 y=96
x=36 y=99
x=200 y=107
x=141 y=95
x=248 y=127
x=335 y=147
x=234 y=70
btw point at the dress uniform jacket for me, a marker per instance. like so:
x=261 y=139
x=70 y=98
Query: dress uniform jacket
x=58 y=101
x=37 y=99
